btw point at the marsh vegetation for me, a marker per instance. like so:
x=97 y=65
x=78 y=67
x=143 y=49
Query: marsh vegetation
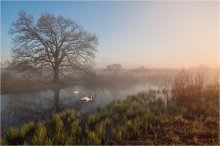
x=189 y=116
x=60 y=87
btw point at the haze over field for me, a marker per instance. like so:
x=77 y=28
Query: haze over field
x=153 y=34
x=116 y=73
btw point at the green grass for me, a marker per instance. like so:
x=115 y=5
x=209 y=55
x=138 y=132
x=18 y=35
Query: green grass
x=26 y=128
x=12 y=136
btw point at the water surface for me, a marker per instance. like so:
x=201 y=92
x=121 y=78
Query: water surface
x=17 y=109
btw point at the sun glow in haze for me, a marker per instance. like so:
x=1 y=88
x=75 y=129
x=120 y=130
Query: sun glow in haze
x=168 y=34
x=153 y=34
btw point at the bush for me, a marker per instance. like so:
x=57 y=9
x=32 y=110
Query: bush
x=40 y=135
x=60 y=138
x=129 y=131
x=58 y=123
x=101 y=132
x=92 y=121
x=26 y=128
x=158 y=107
x=76 y=131
x=93 y=139
x=12 y=136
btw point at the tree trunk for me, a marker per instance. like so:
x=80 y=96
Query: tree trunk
x=56 y=75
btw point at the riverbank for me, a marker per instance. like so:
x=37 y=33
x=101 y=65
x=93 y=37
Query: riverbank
x=13 y=84
x=140 y=119
x=189 y=116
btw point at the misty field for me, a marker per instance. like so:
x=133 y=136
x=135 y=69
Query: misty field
x=110 y=73
x=189 y=115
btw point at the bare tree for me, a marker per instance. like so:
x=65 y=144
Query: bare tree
x=54 y=42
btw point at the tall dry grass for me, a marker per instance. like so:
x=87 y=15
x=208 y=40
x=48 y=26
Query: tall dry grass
x=197 y=92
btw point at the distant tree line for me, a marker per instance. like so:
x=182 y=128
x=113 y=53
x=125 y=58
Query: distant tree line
x=114 y=67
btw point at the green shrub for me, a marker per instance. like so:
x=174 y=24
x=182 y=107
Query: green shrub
x=101 y=132
x=71 y=114
x=92 y=119
x=152 y=118
x=76 y=127
x=118 y=108
x=138 y=125
x=35 y=141
x=70 y=141
x=129 y=113
x=12 y=136
x=144 y=123
x=58 y=123
x=93 y=139
x=26 y=128
x=41 y=134
x=158 y=106
x=128 y=130
x=60 y=138
x=107 y=121
x=48 y=142
x=76 y=131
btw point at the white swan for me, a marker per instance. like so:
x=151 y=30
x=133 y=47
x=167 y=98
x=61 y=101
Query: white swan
x=76 y=91
x=87 y=99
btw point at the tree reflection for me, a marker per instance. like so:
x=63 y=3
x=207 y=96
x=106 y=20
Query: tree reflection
x=56 y=106
x=35 y=108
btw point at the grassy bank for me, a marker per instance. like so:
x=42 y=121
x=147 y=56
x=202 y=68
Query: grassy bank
x=190 y=116
x=123 y=122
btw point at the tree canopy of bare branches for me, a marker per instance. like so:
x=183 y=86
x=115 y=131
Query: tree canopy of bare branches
x=54 y=42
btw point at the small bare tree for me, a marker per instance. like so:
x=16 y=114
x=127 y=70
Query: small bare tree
x=54 y=42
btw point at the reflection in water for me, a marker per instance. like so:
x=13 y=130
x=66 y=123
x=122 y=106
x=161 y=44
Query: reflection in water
x=56 y=107
x=17 y=109
x=76 y=91
x=22 y=109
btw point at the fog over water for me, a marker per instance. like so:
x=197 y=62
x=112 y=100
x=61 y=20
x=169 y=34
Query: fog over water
x=19 y=108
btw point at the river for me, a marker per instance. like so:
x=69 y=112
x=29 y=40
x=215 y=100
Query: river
x=16 y=109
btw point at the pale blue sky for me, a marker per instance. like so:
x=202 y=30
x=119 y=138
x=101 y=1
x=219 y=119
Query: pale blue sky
x=152 y=34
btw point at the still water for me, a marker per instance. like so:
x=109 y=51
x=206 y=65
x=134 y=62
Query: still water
x=17 y=109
